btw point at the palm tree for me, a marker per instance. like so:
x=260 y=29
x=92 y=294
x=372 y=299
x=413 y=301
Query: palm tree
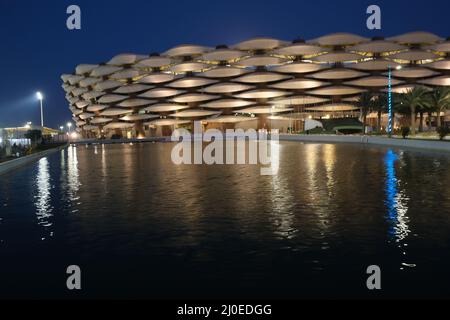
x=365 y=102
x=380 y=105
x=439 y=101
x=415 y=98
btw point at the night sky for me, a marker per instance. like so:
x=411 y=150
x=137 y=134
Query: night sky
x=36 y=47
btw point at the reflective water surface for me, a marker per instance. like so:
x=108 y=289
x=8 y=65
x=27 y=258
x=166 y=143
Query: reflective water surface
x=140 y=226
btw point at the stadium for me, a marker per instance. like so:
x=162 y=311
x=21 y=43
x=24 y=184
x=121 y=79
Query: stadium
x=261 y=83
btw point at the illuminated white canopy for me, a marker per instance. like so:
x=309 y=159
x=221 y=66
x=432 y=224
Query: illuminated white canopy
x=86 y=82
x=126 y=59
x=298 y=100
x=114 y=112
x=112 y=98
x=99 y=120
x=259 y=44
x=223 y=72
x=165 y=107
x=102 y=71
x=416 y=38
x=194 y=97
x=414 y=55
x=261 y=77
x=336 y=91
x=96 y=107
x=92 y=95
x=437 y=81
x=139 y=117
x=89 y=127
x=157 y=78
x=186 y=50
x=154 y=62
x=160 y=93
x=135 y=102
x=229 y=119
x=227 y=103
x=339 y=39
x=85 y=68
x=167 y=122
x=264 y=110
x=227 y=87
x=298 y=67
x=132 y=88
x=119 y=125
x=189 y=67
x=334 y=57
x=299 y=84
x=222 y=55
x=373 y=81
x=299 y=49
x=378 y=46
x=338 y=73
x=413 y=72
x=262 y=94
x=106 y=85
x=191 y=113
x=86 y=115
x=258 y=61
x=191 y=82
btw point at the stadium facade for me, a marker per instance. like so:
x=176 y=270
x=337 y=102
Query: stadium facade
x=261 y=83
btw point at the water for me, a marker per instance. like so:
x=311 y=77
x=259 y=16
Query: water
x=141 y=227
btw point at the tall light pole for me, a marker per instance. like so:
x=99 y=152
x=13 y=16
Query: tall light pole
x=69 y=125
x=41 y=98
x=389 y=101
x=390 y=108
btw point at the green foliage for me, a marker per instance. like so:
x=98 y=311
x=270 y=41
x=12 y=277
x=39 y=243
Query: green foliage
x=438 y=101
x=443 y=132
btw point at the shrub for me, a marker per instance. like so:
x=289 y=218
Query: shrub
x=405 y=132
x=443 y=132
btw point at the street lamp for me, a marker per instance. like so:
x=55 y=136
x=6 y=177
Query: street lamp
x=61 y=128
x=69 y=125
x=41 y=98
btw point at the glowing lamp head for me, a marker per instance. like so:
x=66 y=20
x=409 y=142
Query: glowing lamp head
x=39 y=96
x=69 y=124
x=398 y=67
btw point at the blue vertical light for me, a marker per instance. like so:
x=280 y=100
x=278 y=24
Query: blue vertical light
x=389 y=101
x=391 y=191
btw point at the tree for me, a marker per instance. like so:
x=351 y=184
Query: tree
x=365 y=102
x=439 y=101
x=380 y=104
x=414 y=99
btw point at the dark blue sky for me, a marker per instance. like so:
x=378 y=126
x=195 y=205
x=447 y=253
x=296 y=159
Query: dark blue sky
x=36 y=47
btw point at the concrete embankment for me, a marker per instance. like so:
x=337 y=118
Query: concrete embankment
x=431 y=145
x=119 y=141
x=19 y=162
